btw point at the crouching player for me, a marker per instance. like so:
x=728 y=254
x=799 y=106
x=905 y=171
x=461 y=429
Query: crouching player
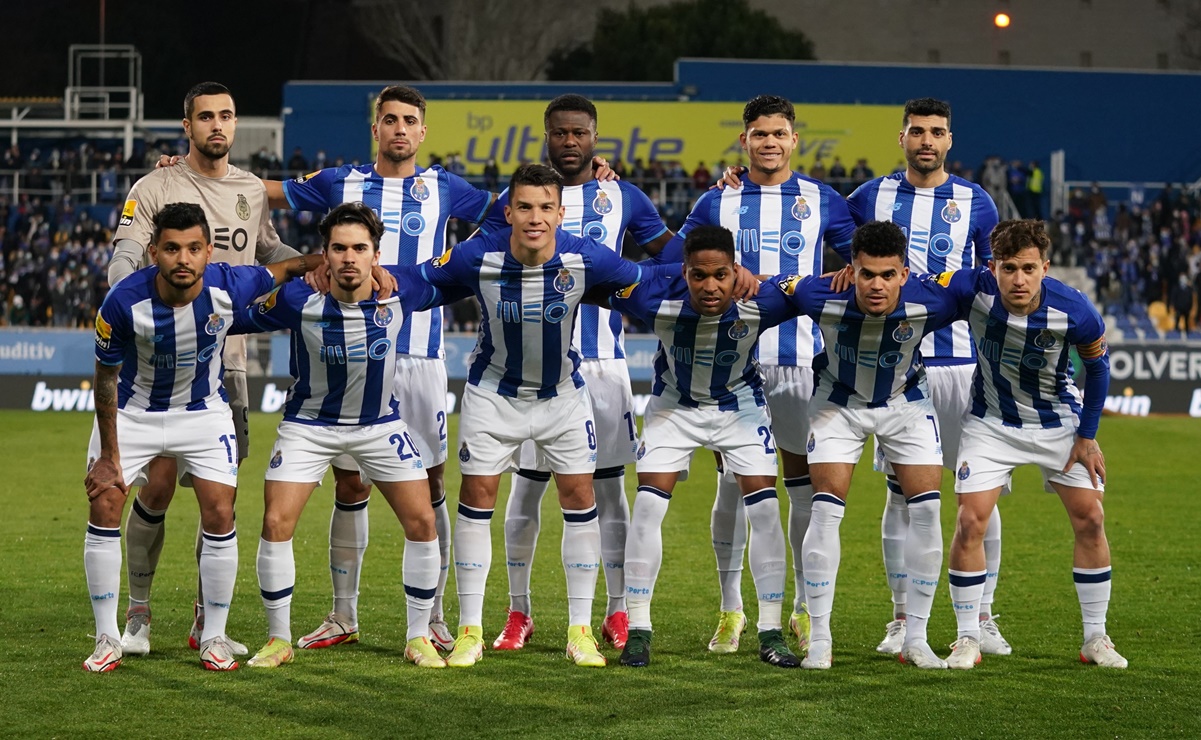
x=343 y=359
x=1026 y=410
x=708 y=392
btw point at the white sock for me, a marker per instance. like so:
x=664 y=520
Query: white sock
x=727 y=524
x=102 y=566
x=473 y=559
x=992 y=560
x=144 y=529
x=218 y=571
x=894 y=526
x=1092 y=588
x=276 y=568
x=523 y=520
x=347 y=543
x=923 y=561
x=800 y=508
x=609 y=487
x=644 y=553
x=966 y=587
x=767 y=555
x=822 y=552
x=442 y=527
x=420 y=576
x=581 y=561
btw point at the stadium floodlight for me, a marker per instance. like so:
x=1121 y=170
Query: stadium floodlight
x=1001 y=20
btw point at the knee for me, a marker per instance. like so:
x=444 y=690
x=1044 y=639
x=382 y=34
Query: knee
x=971 y=524
x=276 y=527
x=158 y=491
x=105 y=510
x=420 y=527
x=218 y=517
x=1089 y=523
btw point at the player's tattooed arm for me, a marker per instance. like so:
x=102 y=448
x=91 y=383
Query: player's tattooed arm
x=295 y=267
x=1088 y=453
x=655 y=246
x=105 y=472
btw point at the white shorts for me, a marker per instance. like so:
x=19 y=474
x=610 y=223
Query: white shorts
x=990 y=451
x=671 y=433
x=383 y=452
x=493 y=427
x=789 y=390
x=951 y=393
x=203 y=443
x=608 y=384
x=420 y=392
x=907 y=431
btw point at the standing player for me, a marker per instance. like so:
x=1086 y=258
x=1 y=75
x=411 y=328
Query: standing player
x=1026 y=409
x=947 y=221
x=870 y=380
x=235 y=204
x=604 y=212
x=342 y=402
x=414 y=204
x=708 y=392
x=159 y=338
x=524 y=383
x=779 y=219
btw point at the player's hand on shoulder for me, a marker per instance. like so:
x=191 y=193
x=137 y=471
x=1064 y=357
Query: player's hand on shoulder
x=165 y=161
x=603 y=171
x=383 y=282
x=103 y=475
x=732 y=177
x=746 y=285
x=841 y=279
x=318 y=280
x=1088 y=453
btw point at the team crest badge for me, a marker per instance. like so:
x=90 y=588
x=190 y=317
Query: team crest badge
x=601 y=203
x=641 y=450
x=739 y=329
x=277 y=460
x=788 y=284
x=903 y=332
x=464 y=453
x=1045 y=339
x=964 y=471
x=951 y=213
x=214 y=325
x=801 y=209
x=812 y=443
x=420 y=190
x=91 y=462
x=383 y=316
x=242 y=208
x=564 y=281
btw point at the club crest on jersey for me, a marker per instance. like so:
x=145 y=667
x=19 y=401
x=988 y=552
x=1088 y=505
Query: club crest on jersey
x=964 y=471
x=464 y=453
x=903 y=332
x=641 y=450
x=801 y=209
x=739 y=329
x=420 y=190
x=127 y=212
x=812 y=443
x=601 y=203
x=277 y=460
x=383 y=316
x=788 y=284
x=214 y=325
x=564 y=281
x=951 y=213
x=242 y=208
x=1045 y=339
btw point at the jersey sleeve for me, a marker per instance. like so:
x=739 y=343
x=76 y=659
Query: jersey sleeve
x=273 y=314
x=629 y=300
x=959 y=289
x=137 y=215
x=859 y=204
x=774 y=303
x=840 y=228
x=673 y=251
x=467 y=202
x=247 y=282
x=494 y=221
x=985 y=220
x=417 y=294
x=113 y=331
x=645 y=222
x=311 y=192
x=452 y=269
x=1087 y=332
x=800 y=293
x=609 y=271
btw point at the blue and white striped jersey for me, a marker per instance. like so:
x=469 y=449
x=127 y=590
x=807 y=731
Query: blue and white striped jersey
x=777 y=229
x=948 y=228
x=1024 y=371
x=170 y=357
x=528 y=313
x=873 y=361
x=602 y=211
x=414 y=211
x=343 y=355
x=704 y=360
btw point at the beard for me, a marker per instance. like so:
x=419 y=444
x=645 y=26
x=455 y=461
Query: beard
x=925 y=167
x=212 y=149
x=180 y=282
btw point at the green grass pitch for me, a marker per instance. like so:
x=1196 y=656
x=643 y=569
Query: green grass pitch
x=366 y=690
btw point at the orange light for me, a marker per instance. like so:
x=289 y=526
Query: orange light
x=1001 y=20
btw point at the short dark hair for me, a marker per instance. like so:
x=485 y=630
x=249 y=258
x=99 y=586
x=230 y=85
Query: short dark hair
x=879 y=239
x=538 y=175
x=204 y=88
x=715 y=238
x=1012 y=236
x=768 y=105
x=570 y=103
x=401 y=94
x=926 y=107
x=180 y=216
x=351 y=213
